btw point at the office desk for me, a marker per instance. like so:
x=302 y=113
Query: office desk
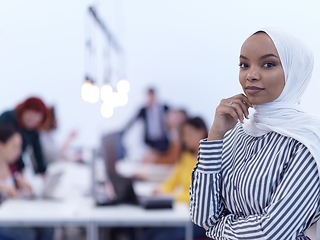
x=40 y=213
x=136 y=216
x=22 y=212
x=76 y=209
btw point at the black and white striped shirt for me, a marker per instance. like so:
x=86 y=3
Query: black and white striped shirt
x=246 y=187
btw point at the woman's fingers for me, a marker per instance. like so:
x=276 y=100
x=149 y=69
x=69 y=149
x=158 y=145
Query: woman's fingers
x=226 y=110
x=241 y=113
x=245 y=100
x=236 y=106
x=228 y=113
x=12 y=193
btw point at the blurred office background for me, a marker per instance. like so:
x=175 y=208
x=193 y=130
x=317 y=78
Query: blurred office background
x=187 y=50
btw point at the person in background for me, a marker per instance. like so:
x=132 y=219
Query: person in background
x=178 y=182
x=51 y=150
x=10 y=150
x=174 y=120
x=27 y=118
x=153 y=116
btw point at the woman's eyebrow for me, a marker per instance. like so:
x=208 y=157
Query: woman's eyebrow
x=268 y=55
x=241 y=56
x=263 y=57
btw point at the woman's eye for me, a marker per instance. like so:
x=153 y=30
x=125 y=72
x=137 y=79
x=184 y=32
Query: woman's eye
x=243 y=65
x=268 y=65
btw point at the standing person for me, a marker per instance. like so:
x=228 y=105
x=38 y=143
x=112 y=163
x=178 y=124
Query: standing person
x=10 y=150
x=50 y=149
x=153 y=116
x=257 y=176
x=27 y=118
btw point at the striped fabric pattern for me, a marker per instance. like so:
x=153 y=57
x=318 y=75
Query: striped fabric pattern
x=245 y=187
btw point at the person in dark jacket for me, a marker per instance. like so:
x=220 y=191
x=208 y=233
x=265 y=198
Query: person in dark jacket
x=27 y=118
x=153 y=116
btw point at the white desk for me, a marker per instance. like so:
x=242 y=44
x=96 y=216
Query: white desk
x=78 y=210
x=39 y=213
x=135 y=216
x=151 y=172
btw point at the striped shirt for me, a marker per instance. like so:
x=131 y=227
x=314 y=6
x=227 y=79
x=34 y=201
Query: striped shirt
x=245 y=187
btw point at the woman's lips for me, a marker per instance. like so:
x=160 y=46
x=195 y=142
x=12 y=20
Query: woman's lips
x=253 y=90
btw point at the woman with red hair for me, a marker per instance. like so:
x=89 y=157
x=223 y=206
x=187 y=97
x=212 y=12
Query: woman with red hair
x=28 y=118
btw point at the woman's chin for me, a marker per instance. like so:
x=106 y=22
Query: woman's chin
x=256 y=101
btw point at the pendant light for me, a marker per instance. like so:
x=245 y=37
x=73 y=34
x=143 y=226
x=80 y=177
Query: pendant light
x=86 y=90
x=106 y=110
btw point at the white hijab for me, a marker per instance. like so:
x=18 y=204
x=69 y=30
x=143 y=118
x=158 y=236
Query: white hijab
x=284 y=115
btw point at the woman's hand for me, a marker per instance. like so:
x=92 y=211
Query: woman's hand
x=10 y=192
x=23 y=185
x=150 y=157
x=227 y=114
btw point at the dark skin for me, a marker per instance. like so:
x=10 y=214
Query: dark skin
x=262 y=78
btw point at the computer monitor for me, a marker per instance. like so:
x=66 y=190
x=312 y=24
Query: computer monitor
x=112 y=150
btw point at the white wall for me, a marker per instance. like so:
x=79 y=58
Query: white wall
x=187 y=49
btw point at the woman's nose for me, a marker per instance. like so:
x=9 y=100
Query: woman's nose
x=253 y=74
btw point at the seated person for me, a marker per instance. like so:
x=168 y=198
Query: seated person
x=10 y=150
x=174 y=121
x=178 y=182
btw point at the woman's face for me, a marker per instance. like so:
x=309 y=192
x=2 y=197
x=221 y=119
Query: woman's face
x=261 y=74
x=31 y=119
x=11 y=150
x=175 y=118
x=191 y=136
x=150 y=99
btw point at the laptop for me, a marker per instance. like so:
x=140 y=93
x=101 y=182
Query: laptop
x=48 y=189
x=123 y=192
x=50 y=184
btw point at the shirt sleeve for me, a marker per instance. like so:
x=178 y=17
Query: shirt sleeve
x=291 y=207
x=171 y=182
x=133 y=120
x=19 y=164
x=37 y=149
x=206 y=206
x=5 y=118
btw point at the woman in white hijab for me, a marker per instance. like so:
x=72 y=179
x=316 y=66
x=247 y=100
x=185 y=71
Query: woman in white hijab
x=257 y=176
